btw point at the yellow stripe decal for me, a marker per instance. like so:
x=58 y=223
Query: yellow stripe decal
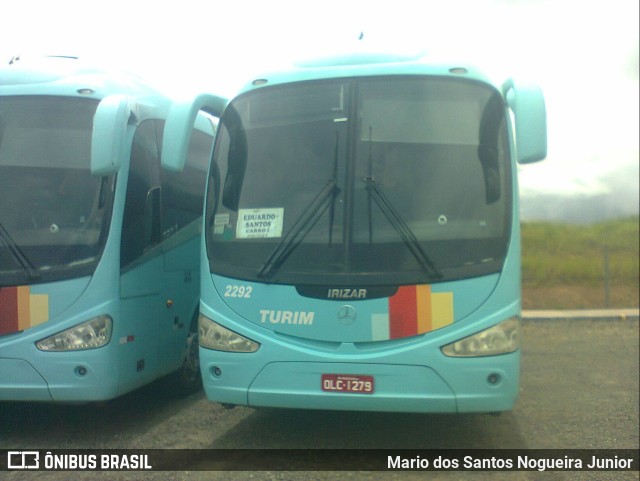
x=39 y=305
x=441 y=309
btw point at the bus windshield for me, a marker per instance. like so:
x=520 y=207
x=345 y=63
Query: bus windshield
x=54 y=212
x=385 y=180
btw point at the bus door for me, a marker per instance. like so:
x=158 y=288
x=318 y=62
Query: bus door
x=144 y=317
x=182 y=204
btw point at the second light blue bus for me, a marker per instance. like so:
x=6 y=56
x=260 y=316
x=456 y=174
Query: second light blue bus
x=361 y=245
x=99 y=246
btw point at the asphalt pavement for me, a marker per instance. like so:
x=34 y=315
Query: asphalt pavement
x=581 y=314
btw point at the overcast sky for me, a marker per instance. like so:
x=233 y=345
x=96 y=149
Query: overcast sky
x=583 y=54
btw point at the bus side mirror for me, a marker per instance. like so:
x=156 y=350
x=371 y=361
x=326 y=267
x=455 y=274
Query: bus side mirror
x=527 y=103
x=180 y=122
x=109 y=134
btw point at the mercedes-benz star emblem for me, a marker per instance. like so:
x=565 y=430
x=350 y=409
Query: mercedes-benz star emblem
x=347 y=314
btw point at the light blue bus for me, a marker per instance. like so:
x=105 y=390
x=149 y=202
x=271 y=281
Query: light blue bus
x=361 y=245
x=99 y=247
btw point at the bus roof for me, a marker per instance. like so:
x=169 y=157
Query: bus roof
x=68 y=76
x=74 y=77
x=364 y=64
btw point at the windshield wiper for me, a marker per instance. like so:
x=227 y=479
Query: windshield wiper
x=24 y=262
x=324 y=199
x=300 y=229
x=401 y=227
x=334 y=179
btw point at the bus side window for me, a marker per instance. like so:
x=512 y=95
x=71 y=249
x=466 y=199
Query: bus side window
x=141 y=221
x=183 y=192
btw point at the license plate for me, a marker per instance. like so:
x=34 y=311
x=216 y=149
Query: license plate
x=348 y=383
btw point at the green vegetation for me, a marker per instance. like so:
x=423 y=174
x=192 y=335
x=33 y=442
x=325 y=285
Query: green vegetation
x=601 y=260
x=565 y=254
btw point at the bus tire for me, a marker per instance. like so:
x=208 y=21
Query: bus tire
x=187 y=379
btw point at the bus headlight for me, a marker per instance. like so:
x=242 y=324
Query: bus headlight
x=88 y=335
x=213 y=336
x=502 y=338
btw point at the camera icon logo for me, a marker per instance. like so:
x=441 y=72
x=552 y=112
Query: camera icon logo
x=23 y=460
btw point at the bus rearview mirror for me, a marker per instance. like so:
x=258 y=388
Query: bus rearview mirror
x=109 y=134
x=528 y=106
x=180 y=121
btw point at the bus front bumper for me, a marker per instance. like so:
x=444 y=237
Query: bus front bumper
x=472 y=385
x=75 y=381
x=19 y=381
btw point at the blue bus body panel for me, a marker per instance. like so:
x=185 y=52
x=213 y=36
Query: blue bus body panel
x=26 y=373
x=410 y=376
x=410 y=372
x=361 y=66
x=283 y=310
x=147 y=340
x=20 y=381
x=151 y=304
x=43 y=302
x=422 y=388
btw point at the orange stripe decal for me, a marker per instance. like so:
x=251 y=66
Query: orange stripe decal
x=20 y=309
x=24 y=308
x=423 y=299
x=413 y=310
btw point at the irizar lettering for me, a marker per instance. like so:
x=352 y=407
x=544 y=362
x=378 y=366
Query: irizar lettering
x=347 y=294
x=286 y=317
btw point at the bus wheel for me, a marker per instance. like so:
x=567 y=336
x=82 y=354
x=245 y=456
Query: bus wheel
x=191 y=367
x=187 y=379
